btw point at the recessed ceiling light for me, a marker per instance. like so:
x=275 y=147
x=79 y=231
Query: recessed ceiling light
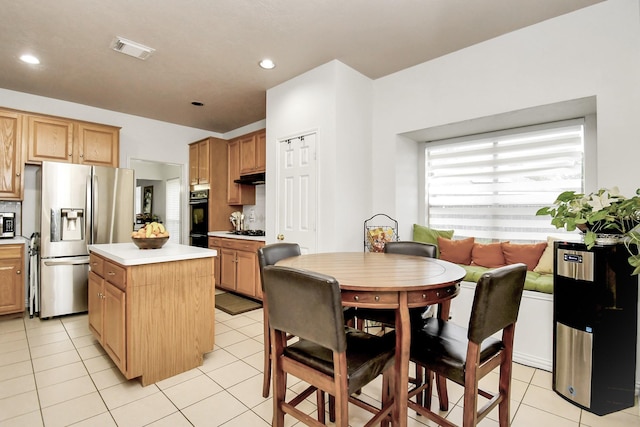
x=30 y=59
x=267 y=64
x=197 y=103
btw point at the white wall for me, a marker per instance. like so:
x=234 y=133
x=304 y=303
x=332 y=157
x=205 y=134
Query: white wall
x=335 y=101
x=592 y=52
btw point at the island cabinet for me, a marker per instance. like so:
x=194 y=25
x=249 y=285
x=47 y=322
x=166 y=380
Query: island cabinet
x=239 y=268
x=154 y=319
x=11 y=156
x=11 y=278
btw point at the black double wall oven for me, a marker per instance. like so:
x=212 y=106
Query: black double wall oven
x=199 y=204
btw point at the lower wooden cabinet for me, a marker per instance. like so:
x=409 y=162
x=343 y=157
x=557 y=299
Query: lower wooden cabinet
x=153 y=320
x=11 y=278
x=238 y=265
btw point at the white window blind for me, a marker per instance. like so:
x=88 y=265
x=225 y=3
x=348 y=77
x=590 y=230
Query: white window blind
x=172 y=223
x=490 y=186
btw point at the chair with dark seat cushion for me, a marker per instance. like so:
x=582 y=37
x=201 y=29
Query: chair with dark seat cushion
x=388 y=317
x=329 y=356
x=466 y=355
x=269 y=255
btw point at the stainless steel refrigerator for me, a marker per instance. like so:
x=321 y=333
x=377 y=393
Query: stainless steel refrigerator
x=80 y=205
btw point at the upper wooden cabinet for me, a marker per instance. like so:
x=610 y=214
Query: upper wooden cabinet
x=64 y=140
x=253 y=153
x=237 y=194
x=49 y=139
x=199 y=162
x=11 y=156
x=98 y=144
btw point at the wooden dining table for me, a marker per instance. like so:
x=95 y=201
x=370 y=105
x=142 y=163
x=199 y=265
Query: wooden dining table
x=389 y=281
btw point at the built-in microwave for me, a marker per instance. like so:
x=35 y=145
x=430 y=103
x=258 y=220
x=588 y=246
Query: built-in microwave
x=7 y=225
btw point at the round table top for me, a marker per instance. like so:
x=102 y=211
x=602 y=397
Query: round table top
x=379 y=271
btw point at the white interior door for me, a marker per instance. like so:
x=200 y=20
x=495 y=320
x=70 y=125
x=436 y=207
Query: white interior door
x=297 y=192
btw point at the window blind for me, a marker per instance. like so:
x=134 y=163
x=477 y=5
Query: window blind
x=490 y=186
x=172 y=223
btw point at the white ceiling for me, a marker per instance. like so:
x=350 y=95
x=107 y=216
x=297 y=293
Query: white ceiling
x=208 y=50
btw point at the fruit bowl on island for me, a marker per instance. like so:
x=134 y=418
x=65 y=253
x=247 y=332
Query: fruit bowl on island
x=152 y=236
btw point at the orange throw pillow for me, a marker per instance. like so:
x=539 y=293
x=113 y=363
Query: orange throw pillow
x=487 y=255
x=456 y=251
x=528 y=254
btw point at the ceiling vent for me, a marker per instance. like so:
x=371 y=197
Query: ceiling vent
x=130 y=48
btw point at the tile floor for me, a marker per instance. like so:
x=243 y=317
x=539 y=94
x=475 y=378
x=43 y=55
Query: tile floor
x=54 y=373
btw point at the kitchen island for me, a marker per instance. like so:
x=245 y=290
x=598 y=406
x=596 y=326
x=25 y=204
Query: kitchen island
x=152 y=310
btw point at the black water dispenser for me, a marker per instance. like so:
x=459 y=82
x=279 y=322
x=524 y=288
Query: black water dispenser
x=595 y=302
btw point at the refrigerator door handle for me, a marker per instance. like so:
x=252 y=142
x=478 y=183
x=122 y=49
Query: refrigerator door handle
x=67 y=261
x=88 y=232
x=95 y=206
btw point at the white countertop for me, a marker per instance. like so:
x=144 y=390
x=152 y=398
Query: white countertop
x=14 y=241
x=130 y=254
x=229 y=235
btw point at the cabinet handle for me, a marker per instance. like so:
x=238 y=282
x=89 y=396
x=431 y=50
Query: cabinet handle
x=81 y=155
x=18 y=271
x=17 y=173
x=111 y=273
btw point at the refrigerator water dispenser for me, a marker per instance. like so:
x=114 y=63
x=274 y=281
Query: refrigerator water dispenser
x=72 y=224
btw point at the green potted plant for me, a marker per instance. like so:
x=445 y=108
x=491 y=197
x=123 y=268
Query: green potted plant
x=605 y=216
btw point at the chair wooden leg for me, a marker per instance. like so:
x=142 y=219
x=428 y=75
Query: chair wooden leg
x=266 y=373
x=321 y=406
x=279 y=391
x=443 y=396
x=428 y=391
x=332 y=409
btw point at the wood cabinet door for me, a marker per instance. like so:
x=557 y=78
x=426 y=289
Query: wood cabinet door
x=49 y=138
x=193 y=164
x=98 y=145
x=96 y=298
x=233 y=163
x=114 y=325
x=203 y=162
x=237 y=194
x=228 y=269
x=247 y=154
x=11 y=285
x=246 y=273
x=261 y=152
x=11 y=166
x=216 y=260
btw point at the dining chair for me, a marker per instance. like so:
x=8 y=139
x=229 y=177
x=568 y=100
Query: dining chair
x=387 y=318
x=465 y=355
x=269 y=255
x=329 y=356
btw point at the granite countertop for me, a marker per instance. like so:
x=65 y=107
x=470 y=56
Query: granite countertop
x=229 y=235
x=130 y=254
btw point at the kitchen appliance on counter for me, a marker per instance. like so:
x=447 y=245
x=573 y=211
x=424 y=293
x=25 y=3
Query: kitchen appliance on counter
x=7 y=225
x=79 y=205
x=199 y=204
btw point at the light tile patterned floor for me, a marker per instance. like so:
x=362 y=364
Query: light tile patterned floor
x=54 y=373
